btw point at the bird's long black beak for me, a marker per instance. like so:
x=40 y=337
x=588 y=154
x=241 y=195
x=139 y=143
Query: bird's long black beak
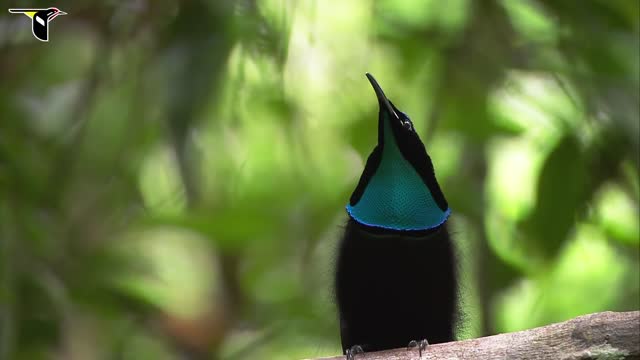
x=382 y=99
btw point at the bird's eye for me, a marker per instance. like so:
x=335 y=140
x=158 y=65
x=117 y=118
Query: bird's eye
x=405 y=121
x=407 y=124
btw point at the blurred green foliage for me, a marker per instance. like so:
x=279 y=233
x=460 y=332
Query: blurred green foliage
x=173 y=173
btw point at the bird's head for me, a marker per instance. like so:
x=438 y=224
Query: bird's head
x=398 y=188
x=51 y=13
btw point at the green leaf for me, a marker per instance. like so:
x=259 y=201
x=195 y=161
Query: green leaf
x=561 y=196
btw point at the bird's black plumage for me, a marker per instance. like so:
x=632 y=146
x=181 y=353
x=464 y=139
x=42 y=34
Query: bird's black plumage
x=395 y=285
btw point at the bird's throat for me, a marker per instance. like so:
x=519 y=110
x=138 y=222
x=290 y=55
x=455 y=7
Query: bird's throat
x=395 y=196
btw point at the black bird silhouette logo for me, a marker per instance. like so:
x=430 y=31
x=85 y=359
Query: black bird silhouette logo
x=40 y=19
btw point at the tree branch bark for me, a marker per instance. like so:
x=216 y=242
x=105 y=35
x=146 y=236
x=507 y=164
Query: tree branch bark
x=603 y=336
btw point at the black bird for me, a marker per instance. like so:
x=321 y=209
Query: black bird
x=396 y=282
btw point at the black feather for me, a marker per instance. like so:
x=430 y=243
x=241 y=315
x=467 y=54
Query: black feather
x=393 y=287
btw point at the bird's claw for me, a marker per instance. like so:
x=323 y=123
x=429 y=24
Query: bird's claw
x=353 y=351
x=422 y=345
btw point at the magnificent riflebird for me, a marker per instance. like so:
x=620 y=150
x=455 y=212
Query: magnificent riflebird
x=396 y=282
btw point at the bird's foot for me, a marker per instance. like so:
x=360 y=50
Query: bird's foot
x=422 y=345
x=353 y=351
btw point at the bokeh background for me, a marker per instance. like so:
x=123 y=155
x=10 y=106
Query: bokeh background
x=173 y=174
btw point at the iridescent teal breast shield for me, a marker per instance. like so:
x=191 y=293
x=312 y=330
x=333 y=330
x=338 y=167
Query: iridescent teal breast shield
x=396 y=197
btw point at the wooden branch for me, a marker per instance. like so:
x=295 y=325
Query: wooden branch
x=604 y=336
